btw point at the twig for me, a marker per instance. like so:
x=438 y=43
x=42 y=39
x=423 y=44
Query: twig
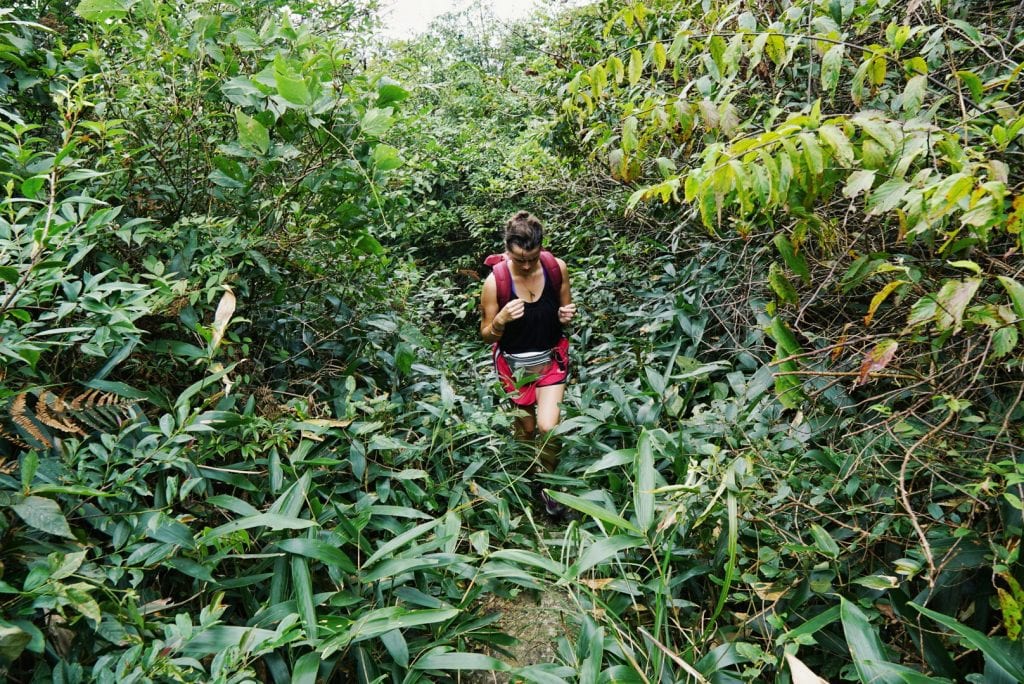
x=690 y=670
x=832 y=374
x=905 y=496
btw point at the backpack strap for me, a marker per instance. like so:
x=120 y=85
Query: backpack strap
x=503 y=277
x=551 y=268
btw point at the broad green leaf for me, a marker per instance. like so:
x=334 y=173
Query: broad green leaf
x=290 y=84
x=252 y=135
x=973 y=83
x=100 y=11
x=389 y=91
x=377 y=121
x=643 y=490
x=784 y=338
x=43 y=514
x=966 y=264
x=191 y=568
x=794 y=260
x=386 y=157
x=170 y=531
x=374 y=623
x=922 y=311
x=400 y=566
x=13 y=641
x=824 y=541
x=788 y=386
x=397 y=646
x=1004 y=341
x=69 y=565
x=9 y=274
x=878 y=582
x=306 y=669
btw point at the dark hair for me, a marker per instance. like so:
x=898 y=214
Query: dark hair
x=523 y=231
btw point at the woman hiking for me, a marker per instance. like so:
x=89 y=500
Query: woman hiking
x=525 y=302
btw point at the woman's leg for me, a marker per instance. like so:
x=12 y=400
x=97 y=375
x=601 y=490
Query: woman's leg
x=526 y=426
x=549 y=413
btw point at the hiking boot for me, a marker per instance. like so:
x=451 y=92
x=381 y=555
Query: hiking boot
x=554 y=510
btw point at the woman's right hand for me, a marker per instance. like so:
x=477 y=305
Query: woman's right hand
x=511 y=311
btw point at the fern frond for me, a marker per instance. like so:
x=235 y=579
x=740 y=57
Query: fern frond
x=47 y=417
x=24 y=420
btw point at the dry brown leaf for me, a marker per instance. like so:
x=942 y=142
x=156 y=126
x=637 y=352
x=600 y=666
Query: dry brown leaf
x=801 y=673
x=225 y=310
x=877 y=359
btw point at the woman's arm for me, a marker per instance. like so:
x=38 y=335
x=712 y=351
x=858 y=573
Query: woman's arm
x=490 y=329
x=566 y=309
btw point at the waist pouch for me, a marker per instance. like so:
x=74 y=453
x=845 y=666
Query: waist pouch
x=528 y=360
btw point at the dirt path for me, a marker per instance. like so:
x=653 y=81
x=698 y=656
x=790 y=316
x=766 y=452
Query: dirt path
x=536 y=626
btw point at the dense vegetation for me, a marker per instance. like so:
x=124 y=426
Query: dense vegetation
x=249 y=432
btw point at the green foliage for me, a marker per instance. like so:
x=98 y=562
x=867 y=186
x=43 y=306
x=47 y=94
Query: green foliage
x=245 y=432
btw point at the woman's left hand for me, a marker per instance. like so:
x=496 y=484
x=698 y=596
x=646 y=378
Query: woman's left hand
x=565 y=313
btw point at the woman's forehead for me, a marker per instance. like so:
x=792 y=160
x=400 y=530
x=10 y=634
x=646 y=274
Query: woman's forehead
x=517 y=251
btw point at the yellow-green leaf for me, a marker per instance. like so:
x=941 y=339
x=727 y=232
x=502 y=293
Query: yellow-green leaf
x=660 y=58
x=636 y=66
x=952 y=301
x=831 y=66
x=629 y=139
x=880 y=297
x=834 y=137
x=858 y=182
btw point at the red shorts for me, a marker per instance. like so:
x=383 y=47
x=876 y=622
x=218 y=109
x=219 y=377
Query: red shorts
x=525 y=393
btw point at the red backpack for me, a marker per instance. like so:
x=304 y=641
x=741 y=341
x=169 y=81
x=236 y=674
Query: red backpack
x=503 y=278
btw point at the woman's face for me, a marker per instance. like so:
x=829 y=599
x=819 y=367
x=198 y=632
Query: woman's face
x=525 y=260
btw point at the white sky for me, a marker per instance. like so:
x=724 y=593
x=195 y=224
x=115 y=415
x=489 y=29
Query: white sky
x=406 y=18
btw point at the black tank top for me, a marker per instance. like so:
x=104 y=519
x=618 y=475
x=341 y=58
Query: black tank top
x=538 y=329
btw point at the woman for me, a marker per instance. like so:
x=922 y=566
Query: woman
x=530 y=347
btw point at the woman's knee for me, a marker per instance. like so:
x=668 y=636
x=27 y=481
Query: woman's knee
x=547 y=423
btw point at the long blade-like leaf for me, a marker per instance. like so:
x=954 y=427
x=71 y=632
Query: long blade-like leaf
x=999 y=651
x=643 y=491
x=593 y=510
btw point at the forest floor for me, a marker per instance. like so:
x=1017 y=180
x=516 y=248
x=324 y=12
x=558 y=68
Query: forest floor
x=536 y=622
